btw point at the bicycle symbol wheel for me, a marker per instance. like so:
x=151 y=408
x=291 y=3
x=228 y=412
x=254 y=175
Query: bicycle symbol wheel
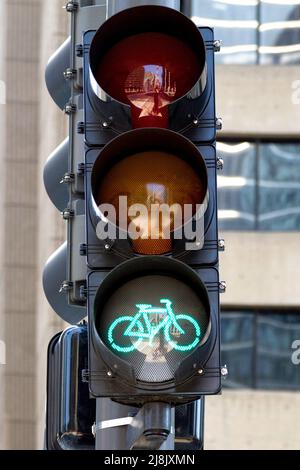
x=118 y=340
x=191 y=336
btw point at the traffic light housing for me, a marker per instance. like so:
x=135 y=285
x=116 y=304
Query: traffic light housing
x=191 y=110
x=70 y=413
x=140 y=95
x=153 y=302
x=144 y=365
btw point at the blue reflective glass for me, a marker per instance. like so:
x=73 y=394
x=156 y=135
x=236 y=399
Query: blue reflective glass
x=279 y=187
x=236 y=186
x=252 y=31
x=275 y=336
x=260 y=349
x=235 y=23
x=279 y=32
x=237 y=340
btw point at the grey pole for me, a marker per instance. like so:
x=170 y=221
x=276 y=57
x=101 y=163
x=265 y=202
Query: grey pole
x=114 y=422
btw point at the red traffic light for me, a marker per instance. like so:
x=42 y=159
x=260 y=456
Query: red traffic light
x=147 y=58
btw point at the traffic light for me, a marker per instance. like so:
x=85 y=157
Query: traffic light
x=136 y=183
x=151 y=243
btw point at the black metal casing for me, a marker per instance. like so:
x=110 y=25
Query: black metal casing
x=70 y=412
x=195 y=119
x=203 y=367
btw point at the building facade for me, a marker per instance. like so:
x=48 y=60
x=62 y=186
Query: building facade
x=259 y=218
x=258 y=97
x=30 y=228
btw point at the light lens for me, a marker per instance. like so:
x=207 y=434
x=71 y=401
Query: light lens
x=153 y=322
x=149 y=71
x=166 y=186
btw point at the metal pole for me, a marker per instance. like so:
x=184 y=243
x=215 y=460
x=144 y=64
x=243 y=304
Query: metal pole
x=112 y=421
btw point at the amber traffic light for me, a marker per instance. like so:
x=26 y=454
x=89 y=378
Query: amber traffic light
x=151 y=168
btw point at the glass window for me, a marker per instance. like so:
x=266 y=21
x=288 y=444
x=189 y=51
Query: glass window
x=279 y=32
x=235 y=23
x=237 y=341
x=259 y=188
x=236 y=186
x=275 y=336
x=257 y=348
x=252 y=31
x=279 y=187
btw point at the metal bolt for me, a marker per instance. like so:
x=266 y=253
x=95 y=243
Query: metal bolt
x=224 y=371
x=108 y=246
x=68 y=178
x=66 y=286
x=222 y=287
x=105 y=125
x=70 y=108
x=220 y=163
x=71 y=7
x=217 y=45
x=200 y=371
x=109 y=373
x=195 y=122
x=221 y=244
x=219 y=124
x=83 y=292
x=70 y=73
x=67 y=214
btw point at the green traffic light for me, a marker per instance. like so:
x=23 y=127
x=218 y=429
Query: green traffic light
x=139 y=331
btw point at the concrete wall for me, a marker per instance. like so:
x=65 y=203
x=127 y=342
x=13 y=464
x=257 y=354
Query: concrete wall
x=19 y=222
x=28 y=221
x=2 y=203
x=252 y=420
x=261 y=269
x=258 y=100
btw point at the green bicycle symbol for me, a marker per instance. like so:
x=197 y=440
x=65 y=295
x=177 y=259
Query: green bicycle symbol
x=139 y=328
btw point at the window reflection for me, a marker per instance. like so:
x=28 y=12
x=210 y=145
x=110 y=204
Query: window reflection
x=236 y=186
x=280 y=33
x=237 y=340
x=279 y=187
x=252 y=31
x=256 y=347
x=259 y=187
x=235 y=23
